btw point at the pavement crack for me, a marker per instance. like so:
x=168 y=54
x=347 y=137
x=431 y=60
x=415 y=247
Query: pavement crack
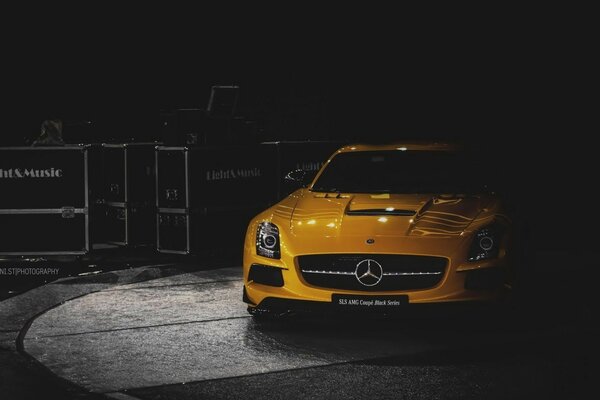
x=120 y=396
x=170 y=285
x=139 y=327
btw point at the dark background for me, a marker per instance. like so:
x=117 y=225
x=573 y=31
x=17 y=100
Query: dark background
x=521 y=87
x=520 y=83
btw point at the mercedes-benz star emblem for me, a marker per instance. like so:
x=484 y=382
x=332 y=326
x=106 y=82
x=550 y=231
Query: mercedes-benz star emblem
x=368 y=272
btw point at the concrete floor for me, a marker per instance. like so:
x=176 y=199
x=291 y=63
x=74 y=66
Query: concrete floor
x=151 y=334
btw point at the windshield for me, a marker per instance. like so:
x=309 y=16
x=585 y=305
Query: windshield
x=394 y=171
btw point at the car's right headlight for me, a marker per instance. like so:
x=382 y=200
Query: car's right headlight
x=267 y=240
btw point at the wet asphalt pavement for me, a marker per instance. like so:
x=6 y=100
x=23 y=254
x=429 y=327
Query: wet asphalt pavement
x=176 y=333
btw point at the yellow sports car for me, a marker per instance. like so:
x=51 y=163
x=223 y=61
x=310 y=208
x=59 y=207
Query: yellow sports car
x=380 y=227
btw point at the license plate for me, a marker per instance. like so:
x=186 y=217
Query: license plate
x=369 y=302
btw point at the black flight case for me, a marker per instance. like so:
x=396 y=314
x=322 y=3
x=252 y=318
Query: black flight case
x=205 y=196
x=129 y=193
x=44 y=200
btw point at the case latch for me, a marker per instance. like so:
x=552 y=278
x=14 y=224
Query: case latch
x=172 y=194
x=68 y=212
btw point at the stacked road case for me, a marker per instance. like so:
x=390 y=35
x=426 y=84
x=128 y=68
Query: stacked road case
x=129 y=193
x=186 y=200
x=44 y=201
x=206 y=196
x=97 y=208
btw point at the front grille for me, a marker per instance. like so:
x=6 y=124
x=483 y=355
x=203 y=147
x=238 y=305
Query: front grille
x=397 y=272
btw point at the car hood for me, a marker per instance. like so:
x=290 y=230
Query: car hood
x=334 y=214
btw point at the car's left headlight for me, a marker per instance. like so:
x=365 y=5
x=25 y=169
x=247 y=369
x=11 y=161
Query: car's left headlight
x=267 y=240
x=486 y=243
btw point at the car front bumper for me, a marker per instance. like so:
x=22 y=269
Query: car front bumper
x=462 y=282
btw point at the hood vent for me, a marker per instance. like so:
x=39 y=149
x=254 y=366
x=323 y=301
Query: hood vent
x=382 y=211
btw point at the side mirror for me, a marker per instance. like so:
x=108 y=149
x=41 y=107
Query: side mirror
x=296 y=179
